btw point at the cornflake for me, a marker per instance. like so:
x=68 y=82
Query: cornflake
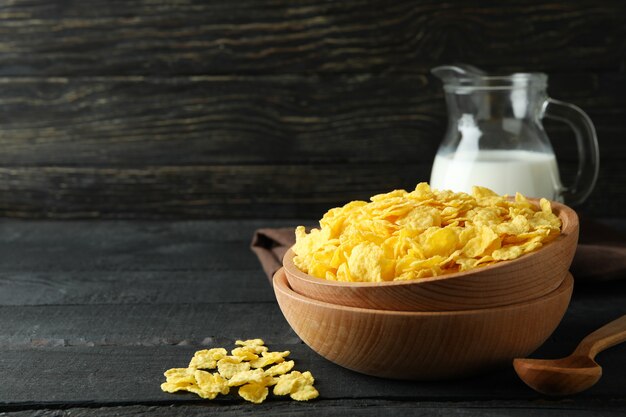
x=231 y=365
x=423 y=233
x=245 y=353
x=210 y=384
x=281 y=368
x=179 y=379
x=299 y=386
x=207 y=359
x=253 y=392
x=246 y=377
x=269 y=358
x=243 y=369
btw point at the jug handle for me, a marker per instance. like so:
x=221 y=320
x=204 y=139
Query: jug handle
x=588 y=152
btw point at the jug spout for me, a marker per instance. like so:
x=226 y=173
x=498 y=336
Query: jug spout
x=457 y=72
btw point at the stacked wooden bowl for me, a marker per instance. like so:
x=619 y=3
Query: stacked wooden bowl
x=435 y=328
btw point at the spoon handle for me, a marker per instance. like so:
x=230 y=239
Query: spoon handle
x=606 y=336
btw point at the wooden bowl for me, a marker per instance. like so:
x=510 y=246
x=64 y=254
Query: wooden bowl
x=508 y=282
x=422 y=345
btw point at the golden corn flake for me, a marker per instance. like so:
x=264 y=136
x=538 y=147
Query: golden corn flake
x=245 y=377
x=281 y=368
x=193 y=380
x=207 y=359
x=305 y=393
x=230 y=365
x=423 y=233
x=299 y=386
x=235 y=370
x=256 y=346
x=250 y=342
x=246 y=353
x=172 y=387
x=179 y=374
x=210 y=384
x=178 y=379
x=269 y=358
x=253 y=392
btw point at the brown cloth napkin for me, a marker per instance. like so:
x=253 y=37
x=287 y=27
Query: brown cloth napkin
x=270 y=245
x=600 y=256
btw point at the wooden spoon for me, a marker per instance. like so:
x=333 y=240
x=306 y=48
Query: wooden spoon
x=578 y=371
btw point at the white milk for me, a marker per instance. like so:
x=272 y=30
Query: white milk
x=533 y=174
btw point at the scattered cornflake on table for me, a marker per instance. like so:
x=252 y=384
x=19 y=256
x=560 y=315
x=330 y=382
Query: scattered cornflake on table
x=245 y=353
x=231 y=365
x=269 y=358
x=210 y=384
x=253 y=392
x=207 y=359
x=179 y=379
x=299 y=386
x=244 y=368
x=281 y=368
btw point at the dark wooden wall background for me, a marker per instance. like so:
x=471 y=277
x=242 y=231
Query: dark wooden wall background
x=278 y=108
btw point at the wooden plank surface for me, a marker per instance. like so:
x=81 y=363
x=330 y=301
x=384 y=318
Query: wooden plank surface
x=344 y=406
x=151 y=324
x=340 y=408
x=153 y=121
x=114 y=374
x=110 y=350
x=122 y=356
x=121 y=262
x=177 y=322
x=136 y=147
x=139 y=121
x=201 y=191
x=232 y=191
x=129 y=287
x=109 y=236
x=48 y=246
x=102 y=37
x=132 y=109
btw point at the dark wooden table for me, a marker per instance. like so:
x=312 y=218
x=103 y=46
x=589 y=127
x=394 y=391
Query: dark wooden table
x=93 y=312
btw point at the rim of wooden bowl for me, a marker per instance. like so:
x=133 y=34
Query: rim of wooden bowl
x=281 y=283
x=569 y=225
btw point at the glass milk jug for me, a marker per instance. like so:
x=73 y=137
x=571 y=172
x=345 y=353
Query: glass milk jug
x=495 y=137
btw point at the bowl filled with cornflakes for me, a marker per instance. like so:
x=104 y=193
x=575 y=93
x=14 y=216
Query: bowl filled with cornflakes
x=434 y=250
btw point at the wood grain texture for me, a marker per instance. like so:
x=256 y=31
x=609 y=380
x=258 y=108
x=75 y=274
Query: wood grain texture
x=154 y=249
x=194 y=37
x=109 y=247
x=111 y=356
x=132 y=287
x=108 y=236
x=607 y=336
x=170 y=109
x=198 y=324
x=302 y=191
x=342 y=407
x=232 y=191
x=574 y=373
x=116 y=375
x=132 y=109
x=244 y=146
x=118 y=262
x=140 y=121
x=425 y=346
x=154 y=121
